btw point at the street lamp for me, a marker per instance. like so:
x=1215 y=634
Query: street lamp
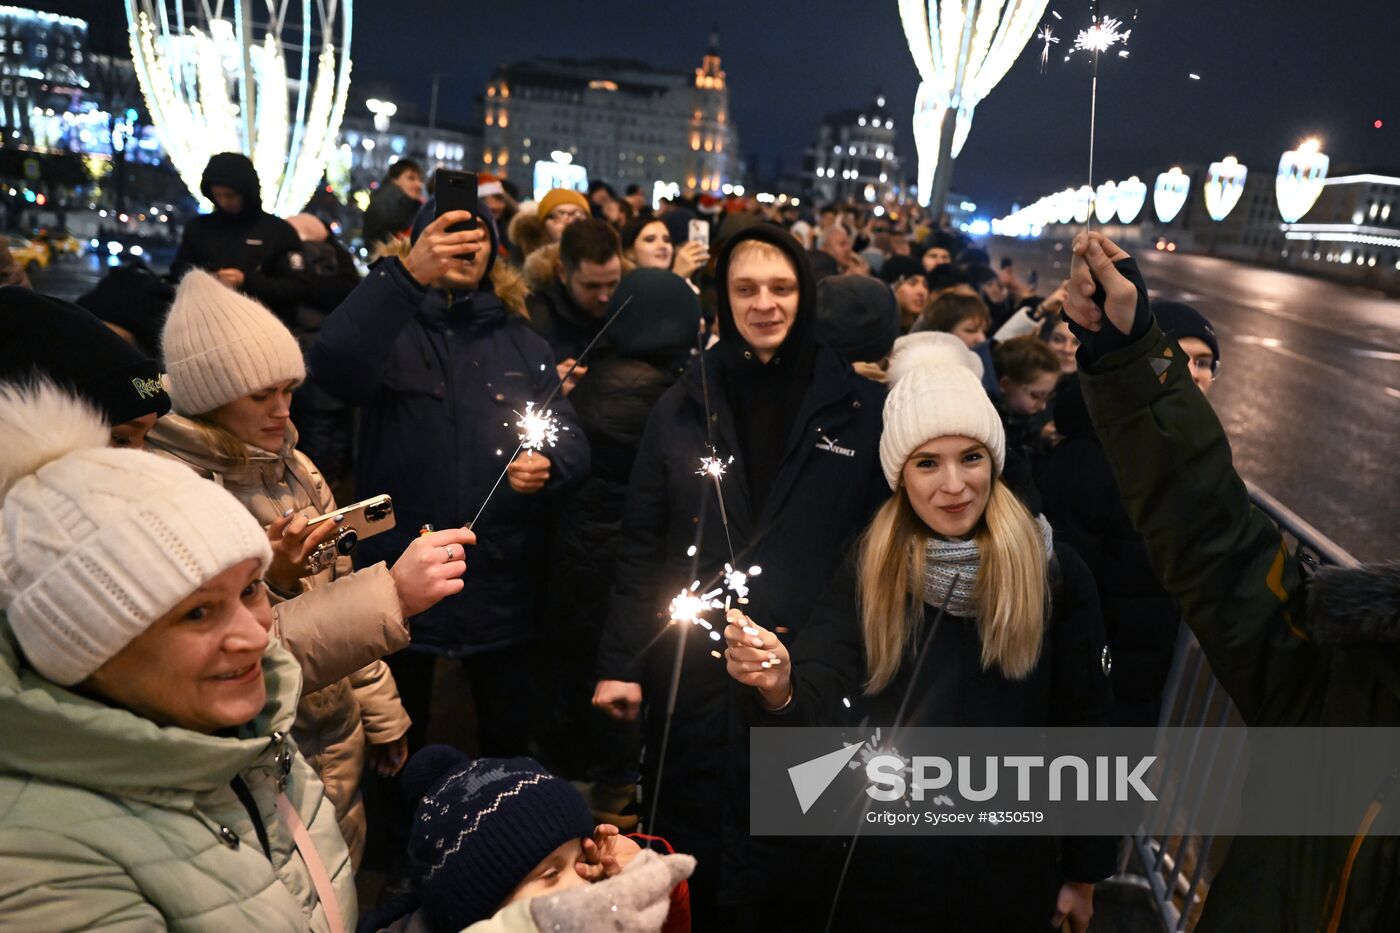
x=213 y=85
x=1301 y=174
x=1169 y=195
x=1224 y=185
x=962 y=49
x=1132 y=195
x=1106 y=201
x=382 y=110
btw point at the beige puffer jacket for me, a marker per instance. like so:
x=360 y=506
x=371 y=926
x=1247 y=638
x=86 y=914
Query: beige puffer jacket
x=334 y=721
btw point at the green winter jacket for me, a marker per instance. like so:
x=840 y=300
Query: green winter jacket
x=1274 y=638
x=110 y=822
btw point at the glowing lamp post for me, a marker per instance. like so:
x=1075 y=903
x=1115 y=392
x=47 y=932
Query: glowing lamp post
x=1132 y=195
x=217 y=85
x=962 y=49
x=1169 y=195
x=1106 y=201
x=1301 y=173
x=1224 y=185
x=1083 y=200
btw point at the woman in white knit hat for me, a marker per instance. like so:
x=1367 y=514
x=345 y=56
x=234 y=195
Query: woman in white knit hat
x=1021 y=644
x=231 y=368
x=147 y=779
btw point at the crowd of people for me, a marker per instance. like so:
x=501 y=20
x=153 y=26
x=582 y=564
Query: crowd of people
x=974 y=502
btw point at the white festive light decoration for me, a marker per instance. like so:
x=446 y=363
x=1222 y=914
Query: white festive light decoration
x=213 y=85
x=1083 y=202
x=1106 y=201
x=1169 y=195
x=962 y=49
x=1224 y=185
x=1132 y=195
x=1302 y=173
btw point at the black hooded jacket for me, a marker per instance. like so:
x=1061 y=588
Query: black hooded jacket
x=824 y=483
x=264 y=248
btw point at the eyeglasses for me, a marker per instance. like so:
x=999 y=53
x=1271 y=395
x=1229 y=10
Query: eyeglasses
x=1202 y=363
x=568 y=214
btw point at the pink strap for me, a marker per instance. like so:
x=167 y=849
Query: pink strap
x=320 y=878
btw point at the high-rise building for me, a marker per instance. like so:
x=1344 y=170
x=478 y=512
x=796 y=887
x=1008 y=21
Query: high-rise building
x=40 y=55
x=854 y=156
x=624 y=121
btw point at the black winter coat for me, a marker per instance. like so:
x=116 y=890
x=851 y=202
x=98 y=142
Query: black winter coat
x=823 y=495
x=439 y=383
x=565 y=326
x=1083 y=505
x=264 y=248
x=959 y=883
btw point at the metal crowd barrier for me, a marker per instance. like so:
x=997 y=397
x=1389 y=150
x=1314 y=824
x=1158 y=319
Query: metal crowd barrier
x=1179 y=869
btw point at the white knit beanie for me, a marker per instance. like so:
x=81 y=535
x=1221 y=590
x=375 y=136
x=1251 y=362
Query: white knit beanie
x=220 y=345
x=98 y=543
x=936 y=391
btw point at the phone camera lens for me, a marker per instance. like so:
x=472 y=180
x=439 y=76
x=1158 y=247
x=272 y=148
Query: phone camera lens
x=347 y=541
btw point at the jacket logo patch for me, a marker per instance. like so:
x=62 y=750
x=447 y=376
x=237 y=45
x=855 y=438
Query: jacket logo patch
x=254 y=242
x=1161 y=366
x=147 y=388
x=831 y=446
x=296 y=261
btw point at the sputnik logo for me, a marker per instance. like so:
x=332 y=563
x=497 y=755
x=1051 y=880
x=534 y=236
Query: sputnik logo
x=811 y=778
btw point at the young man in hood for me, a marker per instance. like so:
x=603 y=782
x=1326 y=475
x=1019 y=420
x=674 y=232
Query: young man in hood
x=246 y=247
x=571 y=309
x=441 y=368
x=803 y=431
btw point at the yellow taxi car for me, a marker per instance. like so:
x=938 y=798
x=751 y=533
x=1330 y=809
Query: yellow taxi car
x=60 y=243
x=30 y=256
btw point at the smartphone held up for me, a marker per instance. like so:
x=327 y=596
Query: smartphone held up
x=457 y=191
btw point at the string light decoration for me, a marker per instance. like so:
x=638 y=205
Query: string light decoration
x=1169 y=194
x=1302 y=172
x=1224 y=185
x=1132 y=195
x=214 y=85
x=962 y=49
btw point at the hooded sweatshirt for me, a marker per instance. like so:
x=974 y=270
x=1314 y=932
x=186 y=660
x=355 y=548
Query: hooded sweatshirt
x=766 y=397
x=264 y=248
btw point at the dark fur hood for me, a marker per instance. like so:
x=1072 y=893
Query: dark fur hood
x=1349 y=606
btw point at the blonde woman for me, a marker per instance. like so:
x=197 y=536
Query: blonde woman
x=1022 y=644
x=232 y=367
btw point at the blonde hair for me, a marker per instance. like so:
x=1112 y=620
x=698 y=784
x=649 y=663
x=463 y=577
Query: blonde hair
x=219 y=439
x=1011 y=592
x=761 y=247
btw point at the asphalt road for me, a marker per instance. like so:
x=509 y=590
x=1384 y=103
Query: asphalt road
x=1309 y=385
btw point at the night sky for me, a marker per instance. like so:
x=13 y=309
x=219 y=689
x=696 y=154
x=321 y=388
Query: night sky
x=1267 y=78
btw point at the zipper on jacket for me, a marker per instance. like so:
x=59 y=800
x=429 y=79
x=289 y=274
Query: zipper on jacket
x=1372 y=811
x=245 y=797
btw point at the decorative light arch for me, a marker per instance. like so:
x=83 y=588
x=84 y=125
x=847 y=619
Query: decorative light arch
x=1132 y=195
x=1169 y=194
x=962 y=49
x=1224 y=185
x=215 y=78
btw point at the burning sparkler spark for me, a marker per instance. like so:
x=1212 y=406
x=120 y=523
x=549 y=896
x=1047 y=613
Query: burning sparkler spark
x=538 y=429
x=1101 y=36
x=1046 y=35
x=715 y=465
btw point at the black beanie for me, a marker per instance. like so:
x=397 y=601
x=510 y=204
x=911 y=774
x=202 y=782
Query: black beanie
x=136 y=300
x=897 y=267
x=857 y=316
x=481 y=828
x=44 y=337
x=1181 y=320
x=947 y=276
x=662 y=318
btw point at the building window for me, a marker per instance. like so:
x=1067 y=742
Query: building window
x=490 y=118
x=505 y=119
x=488 y=158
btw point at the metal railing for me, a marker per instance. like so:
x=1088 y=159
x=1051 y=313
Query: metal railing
x=1179 y=869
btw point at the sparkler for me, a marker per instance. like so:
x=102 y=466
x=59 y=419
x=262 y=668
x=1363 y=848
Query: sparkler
x=713 y=465
x=1046 y=35
x=1102 y=35
x=538 y=429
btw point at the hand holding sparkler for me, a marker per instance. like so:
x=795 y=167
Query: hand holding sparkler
x=756 y=658
x=1093 y=264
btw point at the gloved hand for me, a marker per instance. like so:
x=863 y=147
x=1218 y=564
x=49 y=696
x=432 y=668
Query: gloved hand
x=635 y=901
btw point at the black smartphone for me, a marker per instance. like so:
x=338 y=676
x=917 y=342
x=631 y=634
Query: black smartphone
x=456 y=191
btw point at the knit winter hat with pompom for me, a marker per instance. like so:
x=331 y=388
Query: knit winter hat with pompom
x=936 y=391
x=97 y=543
x=220 y=345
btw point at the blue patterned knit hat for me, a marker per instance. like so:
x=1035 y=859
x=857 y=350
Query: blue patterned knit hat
x=482 y=827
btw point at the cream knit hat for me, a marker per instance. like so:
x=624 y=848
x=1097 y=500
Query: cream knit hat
x=936 y=391
x=220 y=345
x=98 y=543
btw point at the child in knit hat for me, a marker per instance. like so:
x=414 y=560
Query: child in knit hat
x=503 y=838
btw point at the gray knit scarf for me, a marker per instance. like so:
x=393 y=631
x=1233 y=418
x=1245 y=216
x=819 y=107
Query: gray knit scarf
x=945 y=560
